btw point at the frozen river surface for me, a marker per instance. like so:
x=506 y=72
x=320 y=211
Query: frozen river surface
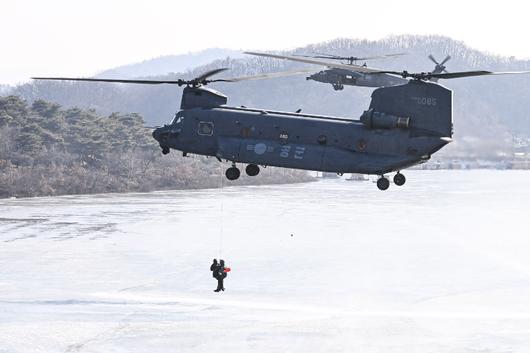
x=439 y=265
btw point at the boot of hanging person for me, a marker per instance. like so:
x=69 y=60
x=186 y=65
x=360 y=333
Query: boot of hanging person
x=219 y=285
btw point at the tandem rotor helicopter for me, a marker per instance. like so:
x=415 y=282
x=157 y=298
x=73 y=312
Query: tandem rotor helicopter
x=403 y=126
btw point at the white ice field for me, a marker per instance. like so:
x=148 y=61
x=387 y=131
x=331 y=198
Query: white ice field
x=441 y=264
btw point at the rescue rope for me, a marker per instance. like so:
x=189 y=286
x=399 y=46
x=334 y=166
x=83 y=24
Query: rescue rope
x=221 y=225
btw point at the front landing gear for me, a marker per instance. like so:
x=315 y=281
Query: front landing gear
x=165 y=150
x=399 y=179
x=383 y=183
x=232 y=173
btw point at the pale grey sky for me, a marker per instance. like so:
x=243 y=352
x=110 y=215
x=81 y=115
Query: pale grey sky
x=70 y=37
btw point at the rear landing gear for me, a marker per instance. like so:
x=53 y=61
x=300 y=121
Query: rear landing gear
x=383 y=183
x=252 y=170
x=399 y=179
x=165 y=150
x=232 y=173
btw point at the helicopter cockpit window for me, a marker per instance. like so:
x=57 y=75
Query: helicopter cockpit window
x=205 y=128
x=178 y=119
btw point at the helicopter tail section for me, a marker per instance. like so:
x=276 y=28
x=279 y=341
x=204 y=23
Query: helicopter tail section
x=427 y=105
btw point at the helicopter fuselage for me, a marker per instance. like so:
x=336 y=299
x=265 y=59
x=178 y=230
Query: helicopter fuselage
x=380 y=142
x=338 y=78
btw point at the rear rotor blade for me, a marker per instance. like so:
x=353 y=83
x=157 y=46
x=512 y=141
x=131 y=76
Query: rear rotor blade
x=477 y=73
x=461 y=74
x=451 y=75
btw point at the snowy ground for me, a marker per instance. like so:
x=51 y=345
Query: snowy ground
x=439 y=265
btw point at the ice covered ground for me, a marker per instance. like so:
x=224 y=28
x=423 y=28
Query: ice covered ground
x=439 y=265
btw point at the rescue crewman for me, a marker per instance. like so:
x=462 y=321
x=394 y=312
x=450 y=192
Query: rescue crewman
x=221 y=275
x=215 y=270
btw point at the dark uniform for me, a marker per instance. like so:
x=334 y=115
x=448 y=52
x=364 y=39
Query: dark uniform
x=214 y=268
x=217 y=273
x=221 y=275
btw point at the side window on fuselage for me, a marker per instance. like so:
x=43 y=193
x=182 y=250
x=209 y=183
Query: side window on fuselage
x=205 y=128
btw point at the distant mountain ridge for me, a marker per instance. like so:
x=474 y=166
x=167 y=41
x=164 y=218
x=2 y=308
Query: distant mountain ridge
x=169 y=63
x=487 y=110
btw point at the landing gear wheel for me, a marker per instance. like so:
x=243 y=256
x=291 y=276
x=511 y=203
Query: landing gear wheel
x=252 y=170
x=232 y=173
x=399 y=179
x=165 y=150
x=383 y=183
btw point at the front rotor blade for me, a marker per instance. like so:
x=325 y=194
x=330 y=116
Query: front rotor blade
x=266 y=76
x=145 y=82
x=205 y=75
x=355 y=68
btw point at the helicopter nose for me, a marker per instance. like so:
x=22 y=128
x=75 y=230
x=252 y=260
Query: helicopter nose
x=156 y=133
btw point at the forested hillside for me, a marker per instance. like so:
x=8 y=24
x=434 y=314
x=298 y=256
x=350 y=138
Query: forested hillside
x=487 y=110
x=4 y=89
x=47 y=150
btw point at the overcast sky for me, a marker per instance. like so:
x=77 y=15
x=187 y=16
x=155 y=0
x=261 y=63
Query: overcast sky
x=70 y=37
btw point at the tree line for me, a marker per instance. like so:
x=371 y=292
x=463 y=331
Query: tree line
x=48 y=150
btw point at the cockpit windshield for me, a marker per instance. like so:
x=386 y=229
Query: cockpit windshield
x=178 y=119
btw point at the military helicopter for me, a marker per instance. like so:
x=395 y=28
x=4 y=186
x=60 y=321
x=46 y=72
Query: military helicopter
x=439 y=67
x=347 y=72
x=403 y=126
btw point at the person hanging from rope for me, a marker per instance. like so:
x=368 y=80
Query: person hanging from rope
x=214 y=267
x=215 y=270
x=222 y=273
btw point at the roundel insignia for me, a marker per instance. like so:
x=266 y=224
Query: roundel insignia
x=260 y=148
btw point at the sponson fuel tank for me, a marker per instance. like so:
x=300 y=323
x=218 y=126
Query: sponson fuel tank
x=377 y=120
